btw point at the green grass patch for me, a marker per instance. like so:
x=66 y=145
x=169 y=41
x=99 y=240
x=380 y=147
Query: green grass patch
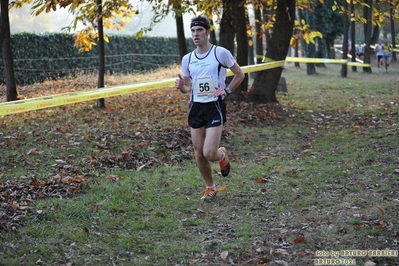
x=320 y=175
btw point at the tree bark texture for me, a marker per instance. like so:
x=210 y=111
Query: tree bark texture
x=212 y=36
x=367 y=50
x=226 y=39
x=181 y=38
x=265 y=84
x=3 y=10
x=353 y=37
x=344 y=68
x=310 y=47
x=259 y=36
x=393 y=34
x=11 y=83
x=240 y=28
x=101 y=54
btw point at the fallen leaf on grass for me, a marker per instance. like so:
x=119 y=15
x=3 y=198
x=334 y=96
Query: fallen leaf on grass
x=224 y=254
x=299 y=239
x=222 y=188
x=302 y=254
x=381 y=209
x=94 y=208
x=260 y=180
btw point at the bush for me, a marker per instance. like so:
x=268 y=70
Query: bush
x=38 y=57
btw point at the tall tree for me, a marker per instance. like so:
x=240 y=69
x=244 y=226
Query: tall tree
x=344 y=68
x=367 y=14
x=92 y=14
x=393 y=33
x=311 y=46
x=3 y=10
x=266 y=81
x=181 y=38
x=353 y=34
x=259 y=32
x=240 y=28
x=227 y=32
x=11 y=83
x=101 y=53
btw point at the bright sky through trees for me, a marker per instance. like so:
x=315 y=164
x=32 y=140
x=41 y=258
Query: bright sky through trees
x=22 y=21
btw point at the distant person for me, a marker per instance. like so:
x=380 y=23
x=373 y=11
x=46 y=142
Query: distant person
x=378 y=52
x=360 y=51
x=204 y=76
x=349 y=47
x=386 y=50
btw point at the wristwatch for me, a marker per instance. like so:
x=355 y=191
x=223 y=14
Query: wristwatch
x=228 y=91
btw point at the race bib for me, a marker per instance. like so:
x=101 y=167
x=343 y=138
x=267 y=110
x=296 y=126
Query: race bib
x=204 y=88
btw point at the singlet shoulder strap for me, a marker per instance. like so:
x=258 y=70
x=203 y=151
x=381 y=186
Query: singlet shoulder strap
x=220 y=64
x=218 y=58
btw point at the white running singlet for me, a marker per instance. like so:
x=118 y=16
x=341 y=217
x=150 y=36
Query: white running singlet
x=207 y=71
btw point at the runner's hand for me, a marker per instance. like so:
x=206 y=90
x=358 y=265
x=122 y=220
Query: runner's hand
x=179 y=83
x=220 y=92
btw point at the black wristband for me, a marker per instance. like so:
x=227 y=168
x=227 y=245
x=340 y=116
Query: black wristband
x=228 y=91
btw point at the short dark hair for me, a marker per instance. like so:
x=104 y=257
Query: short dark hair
x=201 y=21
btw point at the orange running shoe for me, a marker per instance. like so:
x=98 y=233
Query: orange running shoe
x=209 y=193
x=224 y=163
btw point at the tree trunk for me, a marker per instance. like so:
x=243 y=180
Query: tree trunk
x=3 y=11
x=344 y=68
x=251 y=50
x=367 y=50
x=299 y=40
x=11 y=84
x=212 y=36
x=259 y=36
x=181 y=39
x=226 y=39
x=101 y=54
x=376 y=29
x=227 y=32
x=240 y=26
x=394 y=59
x=311 y=53
x=353 y=37
x=266 y=81
x=311 y=48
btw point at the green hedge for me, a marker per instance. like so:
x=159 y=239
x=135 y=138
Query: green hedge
x=38 y=57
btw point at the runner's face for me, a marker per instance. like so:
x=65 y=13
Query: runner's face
x=199 y=35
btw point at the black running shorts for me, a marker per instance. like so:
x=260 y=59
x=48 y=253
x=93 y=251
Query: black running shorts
x=207 y=115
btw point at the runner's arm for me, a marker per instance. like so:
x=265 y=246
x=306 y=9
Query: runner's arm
x=238 y=76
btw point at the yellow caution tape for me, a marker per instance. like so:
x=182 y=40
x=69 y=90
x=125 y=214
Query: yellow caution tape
x=90 y=95
x=26 y=105
x=316 y=60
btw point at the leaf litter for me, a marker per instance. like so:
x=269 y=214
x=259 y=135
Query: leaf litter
x=285 y=242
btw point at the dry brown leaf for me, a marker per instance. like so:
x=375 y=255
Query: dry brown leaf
x=222 y=188
x=302 y=254
x=260 y=180
x=299 y=239
x=381 y=208
x=94 y=207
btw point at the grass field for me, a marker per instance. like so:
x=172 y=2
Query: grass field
x=313 y=177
